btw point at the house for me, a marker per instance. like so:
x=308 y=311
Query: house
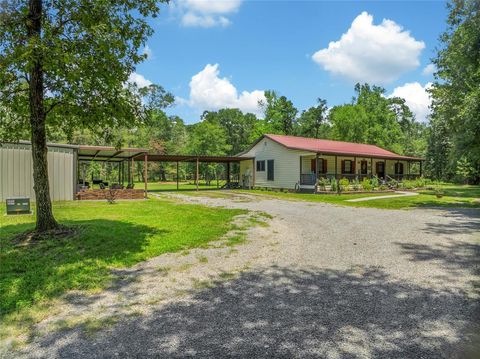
x=291 y=162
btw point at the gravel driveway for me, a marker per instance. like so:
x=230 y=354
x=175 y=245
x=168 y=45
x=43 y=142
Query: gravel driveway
x=321 y=281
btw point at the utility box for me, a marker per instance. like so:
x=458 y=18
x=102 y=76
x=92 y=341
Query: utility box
x=18 y=205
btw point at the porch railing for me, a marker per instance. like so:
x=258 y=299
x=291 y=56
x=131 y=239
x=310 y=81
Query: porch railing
x=309 y=178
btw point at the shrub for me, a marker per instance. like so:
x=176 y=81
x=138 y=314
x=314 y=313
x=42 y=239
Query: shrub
x=343 y=185
x=366 y=184
x=374 y=182
x=356 y=184
x=383 y=187
x=439 y=192
x=407 y=184
x=323 y=183
x=333 y=185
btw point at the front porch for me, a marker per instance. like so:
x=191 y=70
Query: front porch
x=316 y=166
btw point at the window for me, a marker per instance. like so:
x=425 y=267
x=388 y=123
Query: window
x=322 y=165
x=270 y=170
x=399 y=168
x=260 y=166
x=363 y=167
x=348 y=167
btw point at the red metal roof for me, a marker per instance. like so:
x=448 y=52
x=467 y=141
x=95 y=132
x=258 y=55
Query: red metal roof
x=335 y=147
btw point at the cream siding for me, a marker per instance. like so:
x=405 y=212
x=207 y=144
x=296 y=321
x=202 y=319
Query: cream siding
x=286 y=164
x=16 y=172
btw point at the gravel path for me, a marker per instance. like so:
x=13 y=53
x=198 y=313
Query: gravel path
x=321 y=281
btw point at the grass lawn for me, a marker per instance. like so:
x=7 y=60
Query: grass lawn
x=183 y=186
x=456 y=196
x=109 y=236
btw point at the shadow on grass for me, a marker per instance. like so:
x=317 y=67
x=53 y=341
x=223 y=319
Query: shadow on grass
x=47 y=268
x=280 y=312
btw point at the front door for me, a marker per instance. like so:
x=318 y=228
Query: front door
x=270 y=170
x=381 y=169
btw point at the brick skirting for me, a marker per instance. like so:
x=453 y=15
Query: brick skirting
x=99 y=194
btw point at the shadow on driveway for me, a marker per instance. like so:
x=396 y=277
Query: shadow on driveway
x=280 y=312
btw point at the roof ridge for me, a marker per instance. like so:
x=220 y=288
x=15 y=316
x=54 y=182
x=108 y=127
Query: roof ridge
x=324 y=139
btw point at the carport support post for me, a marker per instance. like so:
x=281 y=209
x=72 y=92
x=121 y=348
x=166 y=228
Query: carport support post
x=196 y=175
x=177 y=175
x=145 y=172
x=228 y=172
x=132 y=171
x=371 y=167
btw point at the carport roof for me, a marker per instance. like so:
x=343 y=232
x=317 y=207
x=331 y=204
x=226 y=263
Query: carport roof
x=191 y=158
x=110 y=154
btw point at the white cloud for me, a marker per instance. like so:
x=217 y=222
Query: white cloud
x=147 y=51
x=208 y=91
x=206 y=13
x=429 y=69
x=416 y=97
x=138 y=79
x=371 y=53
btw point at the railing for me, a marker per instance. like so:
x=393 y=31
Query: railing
x=308 y=179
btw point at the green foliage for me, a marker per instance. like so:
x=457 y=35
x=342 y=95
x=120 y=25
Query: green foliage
x=356 y=184
x=343 y=184
x=312 y=122
x=83 y=90
x=323 y=183
x=333 y=185
x=374 y=182
x=465 y=170
x=280 y=113
x=366 y=184
x=456 y=95
x=238 y=127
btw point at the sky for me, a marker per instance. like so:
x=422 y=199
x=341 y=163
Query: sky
x=226 y=53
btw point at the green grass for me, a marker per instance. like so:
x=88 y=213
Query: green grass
x=109 y=236
x=183 y=186
x=456 y=196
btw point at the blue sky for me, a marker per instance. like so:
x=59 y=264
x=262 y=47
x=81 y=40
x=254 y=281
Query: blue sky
x=253 y=46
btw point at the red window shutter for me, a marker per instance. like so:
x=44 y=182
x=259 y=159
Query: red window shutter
x=313 y=168
x=325 y=166
x=343 y=166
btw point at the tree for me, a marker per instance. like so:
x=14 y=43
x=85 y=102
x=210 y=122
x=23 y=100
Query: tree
x=279 y=113
x=456 y=90
x=209 y=139
x=238 y=127
x=64 y=65
x=371 y=118
x=312 y=122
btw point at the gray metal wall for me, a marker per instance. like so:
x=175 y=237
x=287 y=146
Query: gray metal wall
x=16 y=171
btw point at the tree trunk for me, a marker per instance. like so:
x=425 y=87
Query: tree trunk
x=45 y=220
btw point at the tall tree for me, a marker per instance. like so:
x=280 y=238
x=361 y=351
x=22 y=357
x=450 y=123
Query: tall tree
x=64 y=65
x=279 y=113
x=312 y=122
x=238 y=127
x=456 y=92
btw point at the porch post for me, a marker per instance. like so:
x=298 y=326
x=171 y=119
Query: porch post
x=336 y=169
x=385 y=170
x=371 y=167
x=145 y=173
x=354 y=167
x=196 y=175
x=253 y=172
x=316 y=170
x=177 y=175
